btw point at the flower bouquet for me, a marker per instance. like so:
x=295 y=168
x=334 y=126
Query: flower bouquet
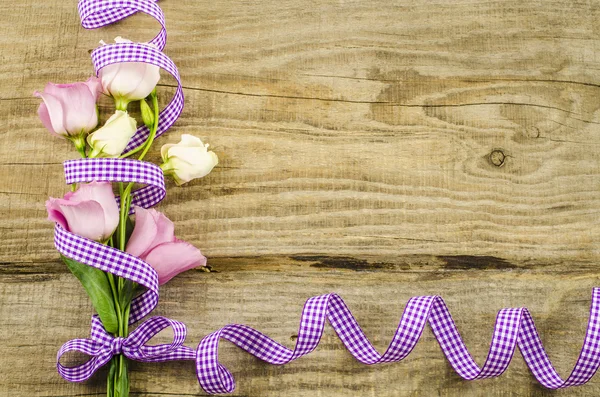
x=91 y=210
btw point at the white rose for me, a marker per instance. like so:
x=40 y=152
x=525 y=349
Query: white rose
x=113 y=137
x=128 y=81
x=187 y=160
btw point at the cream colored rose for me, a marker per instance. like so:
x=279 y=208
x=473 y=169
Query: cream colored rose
x=113 y=137
x=189 y=159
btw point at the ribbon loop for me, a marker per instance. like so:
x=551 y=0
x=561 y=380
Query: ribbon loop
x=102 y=347
x=98 y=13
x=163 y=352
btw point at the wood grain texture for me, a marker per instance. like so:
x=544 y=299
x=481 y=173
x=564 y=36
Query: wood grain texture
x=377 y=149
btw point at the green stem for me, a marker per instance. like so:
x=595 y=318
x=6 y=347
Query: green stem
x=151 y=135
x=121 y=103
x=113 y=287
x=79 y=142
x=155 y=126
x=120 y=380
x=115 y=365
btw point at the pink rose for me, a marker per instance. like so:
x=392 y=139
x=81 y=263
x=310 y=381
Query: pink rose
x=69 y=110
x=90 y=212
x=153 y=240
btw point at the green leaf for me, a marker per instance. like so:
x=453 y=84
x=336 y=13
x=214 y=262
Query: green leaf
x=96 y=284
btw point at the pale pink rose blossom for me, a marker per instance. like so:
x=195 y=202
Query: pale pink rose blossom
x=128 y=81
x=153 y=240
x=69 y=110
x=91 y=211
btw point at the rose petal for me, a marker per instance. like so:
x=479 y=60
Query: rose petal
x=107 y=74
x=81 y=115
x=165 y=229
x=84 y=218
x=191 y=155
x=185 y=171
x=164 y=151
x=152 y=228
x=112 y=138
x=95 y=86
x=170 y=259
x=144 y=232
x=102 y=193
x=45 y=117
x=129 y=76
x=54 y=213
x=147 y=84
x=190 y=140
x=54 y=107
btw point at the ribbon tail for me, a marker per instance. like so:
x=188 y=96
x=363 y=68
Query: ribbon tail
x=514 y=327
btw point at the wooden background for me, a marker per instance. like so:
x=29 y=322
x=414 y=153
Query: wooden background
x=376 y=149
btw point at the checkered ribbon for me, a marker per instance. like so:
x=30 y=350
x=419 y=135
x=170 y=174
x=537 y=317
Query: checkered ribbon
x=514 y=327
x=120 y=170
x=98 y=13
x=102 y=346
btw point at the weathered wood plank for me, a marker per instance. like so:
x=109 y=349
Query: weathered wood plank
x=357 y=139
x=376 y=290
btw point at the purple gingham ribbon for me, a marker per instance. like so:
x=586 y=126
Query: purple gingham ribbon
x=514 y=327
x=102 y=346
x=98 y=13
x=120 y=170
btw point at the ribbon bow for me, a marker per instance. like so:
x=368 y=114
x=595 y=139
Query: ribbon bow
x=102 y=346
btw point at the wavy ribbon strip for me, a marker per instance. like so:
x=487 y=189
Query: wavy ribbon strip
x=514 y=327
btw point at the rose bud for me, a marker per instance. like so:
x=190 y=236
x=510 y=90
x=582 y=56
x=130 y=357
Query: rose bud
x=69 y=110
x=128 y=81
x=111 y=139
x=153 y=240
x=187 y=160
x=147 y=114
x=91 y=211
